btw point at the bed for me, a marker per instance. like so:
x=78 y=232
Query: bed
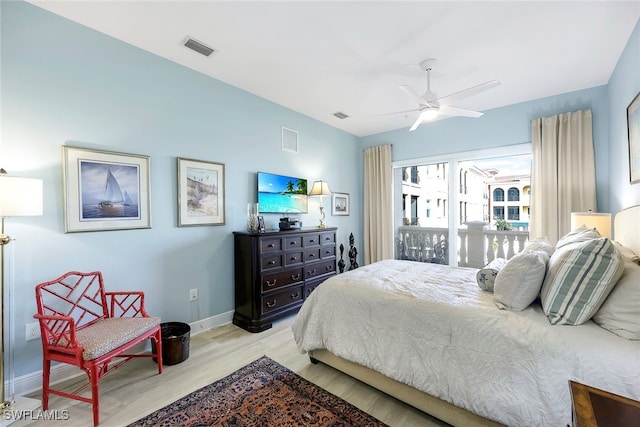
x=438 y=342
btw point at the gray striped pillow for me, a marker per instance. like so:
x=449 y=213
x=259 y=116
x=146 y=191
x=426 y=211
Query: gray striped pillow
x=579 y=281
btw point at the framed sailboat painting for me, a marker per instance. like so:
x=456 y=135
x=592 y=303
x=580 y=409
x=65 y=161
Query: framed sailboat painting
x=105 y=190
x=200 y=192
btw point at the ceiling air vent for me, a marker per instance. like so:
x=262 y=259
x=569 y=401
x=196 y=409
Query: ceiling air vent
x=199 y=47
x=340 y=115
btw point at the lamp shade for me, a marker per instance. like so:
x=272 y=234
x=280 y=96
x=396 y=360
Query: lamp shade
x=20 y=196
x=320 y=188
x=599 y=221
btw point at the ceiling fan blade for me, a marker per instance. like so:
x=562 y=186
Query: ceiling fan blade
x=397 y=112
x=416 y=124
x=461 y=112
x=412 y=93
x=458 y=96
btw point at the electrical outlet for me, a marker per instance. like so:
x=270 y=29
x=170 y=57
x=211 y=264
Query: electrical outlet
x=193 y=294
x=32 y=331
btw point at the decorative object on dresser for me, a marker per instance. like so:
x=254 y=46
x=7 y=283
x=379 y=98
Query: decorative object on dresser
x=276 y=271
x=353 y=254
x=320 y=189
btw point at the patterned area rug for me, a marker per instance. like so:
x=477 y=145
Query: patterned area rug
x=263 y=394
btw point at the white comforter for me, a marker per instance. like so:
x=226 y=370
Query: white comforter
x=430 y=326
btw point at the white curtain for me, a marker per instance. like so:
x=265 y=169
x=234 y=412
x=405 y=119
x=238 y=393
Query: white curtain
x=564 y=173
x=378 y=204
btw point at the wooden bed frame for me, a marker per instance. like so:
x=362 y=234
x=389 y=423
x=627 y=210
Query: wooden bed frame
x=626 y=231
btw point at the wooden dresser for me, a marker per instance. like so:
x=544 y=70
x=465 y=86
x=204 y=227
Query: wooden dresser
x=276 y=271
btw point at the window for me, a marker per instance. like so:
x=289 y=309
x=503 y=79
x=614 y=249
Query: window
x=513 y=194
x=514 y=213
x=414 y=174
x=460 y=188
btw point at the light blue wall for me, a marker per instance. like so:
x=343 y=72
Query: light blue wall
x=63 y=83
x=624 y=85
x=505 y=126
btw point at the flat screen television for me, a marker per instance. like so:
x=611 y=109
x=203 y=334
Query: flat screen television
x=282 y=194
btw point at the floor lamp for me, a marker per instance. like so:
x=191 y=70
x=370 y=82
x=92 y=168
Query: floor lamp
x=320 y=189
x=18 y=197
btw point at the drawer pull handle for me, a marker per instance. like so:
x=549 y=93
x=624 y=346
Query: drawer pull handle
x=329 y=267
x=294 y=258
x=271 y=304
x=311 y=255
x=312 y=272
x=327 y=238
x=272 y=283
x=295 y=296
x=293 y=242
x=296 y=277
x=271 y=245
x=312 y=240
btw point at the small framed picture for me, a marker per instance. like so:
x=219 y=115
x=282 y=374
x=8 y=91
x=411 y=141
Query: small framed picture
x=260 y=224
x=340 y=204
x=200 y=192
x=105 y=190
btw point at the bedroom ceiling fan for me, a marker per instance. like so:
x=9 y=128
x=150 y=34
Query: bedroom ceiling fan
x=431 y=107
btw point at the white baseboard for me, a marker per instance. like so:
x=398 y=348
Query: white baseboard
x=32 y=382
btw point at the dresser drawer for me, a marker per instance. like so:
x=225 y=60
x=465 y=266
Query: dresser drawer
x=311 y=240
x=270 y=261
x=283 y=278
x=319 y=269
x=270 y=245
x=311 y=255
x=292 y=258
x=328 y=251
x=294 y=242
x=328 y=238
x=281 y=299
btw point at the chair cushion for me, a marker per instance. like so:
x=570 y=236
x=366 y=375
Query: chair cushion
x=106 y=335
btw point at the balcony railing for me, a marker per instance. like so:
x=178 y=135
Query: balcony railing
x=477 y=246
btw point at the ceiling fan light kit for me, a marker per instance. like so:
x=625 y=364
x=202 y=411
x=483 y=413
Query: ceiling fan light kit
x=431 y=107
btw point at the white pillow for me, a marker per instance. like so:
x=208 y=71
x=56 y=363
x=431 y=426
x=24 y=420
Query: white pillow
x=486 y=276
x=540 y=244
x=580 y=234
x=627 y=253
x=620 y=312
x=518 y=283
x=579 y=280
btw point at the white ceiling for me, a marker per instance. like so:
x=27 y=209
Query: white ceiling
x=319 y=57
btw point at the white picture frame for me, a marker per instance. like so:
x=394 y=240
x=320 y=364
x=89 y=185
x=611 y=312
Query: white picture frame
x=340 y=204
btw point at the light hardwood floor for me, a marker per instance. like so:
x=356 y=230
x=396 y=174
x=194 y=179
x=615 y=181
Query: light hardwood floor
x=136 y=389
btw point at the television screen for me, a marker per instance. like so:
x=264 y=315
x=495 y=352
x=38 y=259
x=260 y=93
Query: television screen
x=281 y=194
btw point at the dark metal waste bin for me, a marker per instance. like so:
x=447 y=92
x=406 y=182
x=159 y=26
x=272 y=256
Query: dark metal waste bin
x=175 y=342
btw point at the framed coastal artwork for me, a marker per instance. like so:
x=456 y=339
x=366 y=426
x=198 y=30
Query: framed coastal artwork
x=340 y=204
x=200 y=192
x=633 y=129
x=104 y=190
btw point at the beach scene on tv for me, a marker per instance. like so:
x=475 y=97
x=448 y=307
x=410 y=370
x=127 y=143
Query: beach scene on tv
x=281 y=194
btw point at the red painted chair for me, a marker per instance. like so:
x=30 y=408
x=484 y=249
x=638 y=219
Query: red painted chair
x=85 y=326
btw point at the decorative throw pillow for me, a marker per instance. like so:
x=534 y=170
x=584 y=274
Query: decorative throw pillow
x=579 y=280
x=620 y=313
x=518 y=283
x=580 y=234
x=486 y=276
